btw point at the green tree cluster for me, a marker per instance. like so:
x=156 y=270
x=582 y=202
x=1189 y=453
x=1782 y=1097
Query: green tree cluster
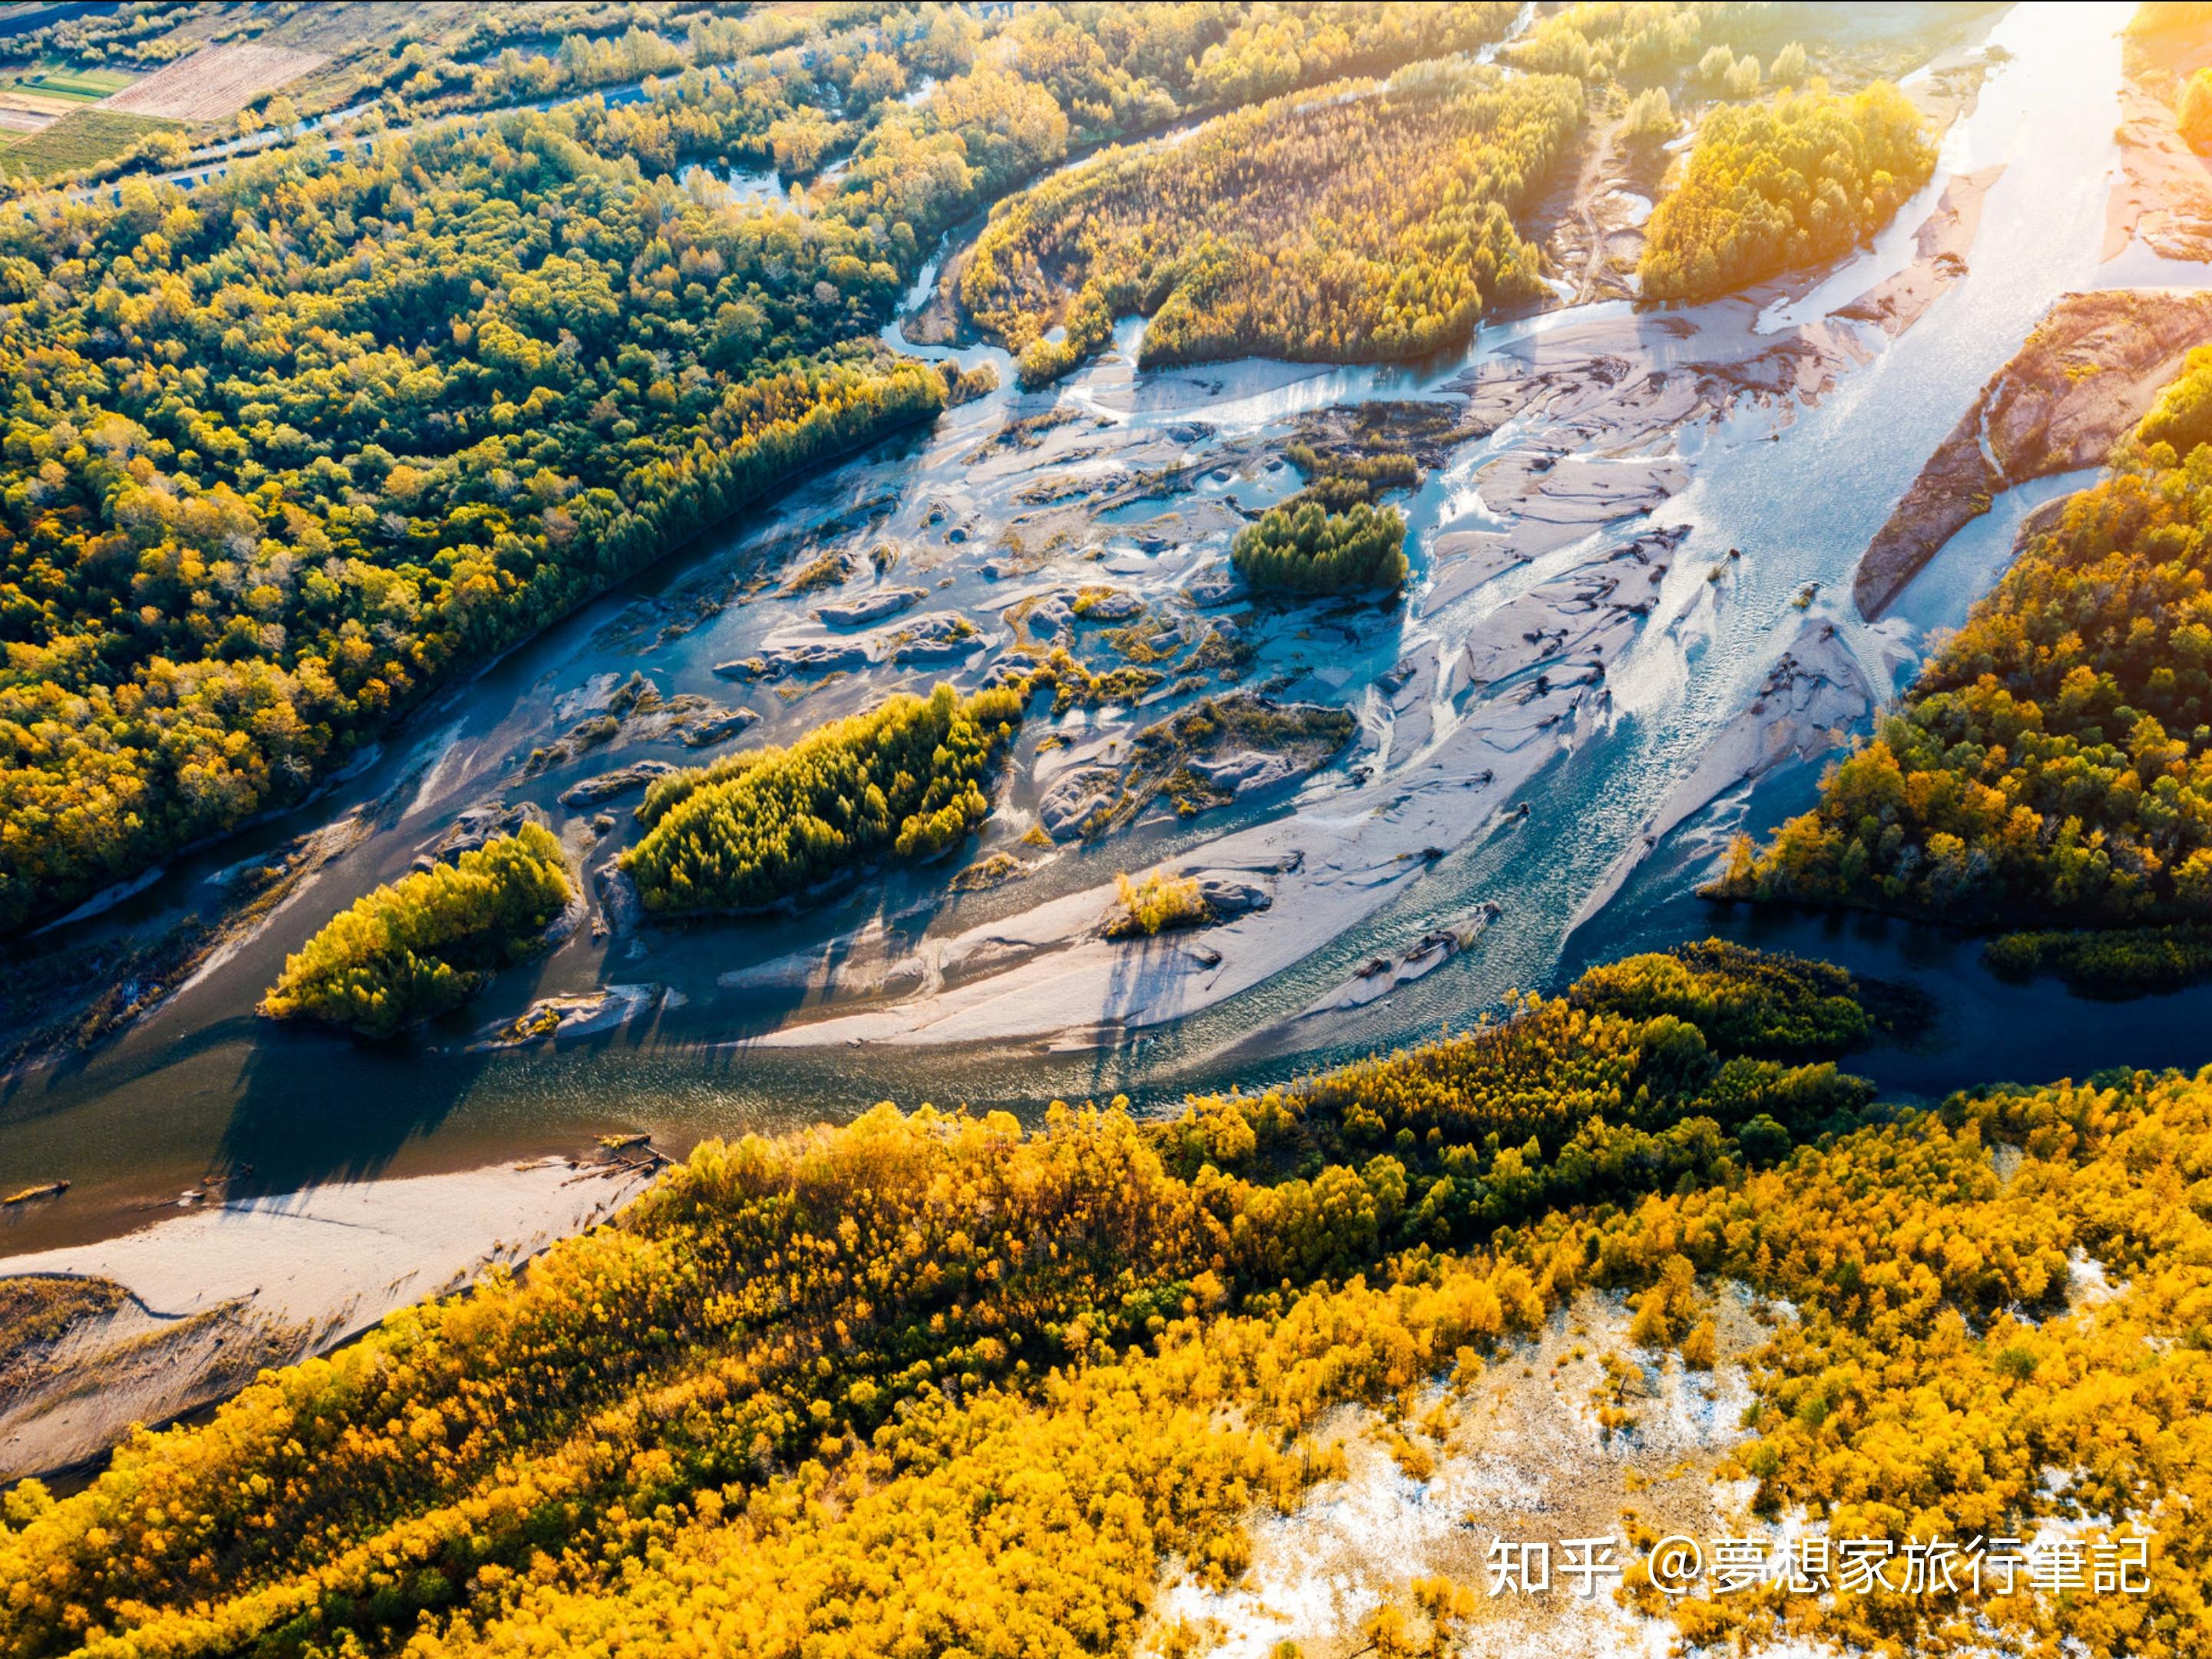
x=424 y=945
x=2108 y=963
x=1056 y=78
x=777 y=65
x=1779 y=1006
x=2053 y=761
x=1773 y=186
x=1360 y=222
x=1643 y=43
x=766 y=89
x=1340 y=481
x=1157 y=902
x=1313 y=550
x=907 y=780
x=1650 y=118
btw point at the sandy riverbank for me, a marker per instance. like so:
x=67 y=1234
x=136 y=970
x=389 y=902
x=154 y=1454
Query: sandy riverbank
x=1940 y=259
x=2162 y=196
x=217 y=1294
x=1551 y=567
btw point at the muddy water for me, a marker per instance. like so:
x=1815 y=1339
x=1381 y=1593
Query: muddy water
x=202 y=1085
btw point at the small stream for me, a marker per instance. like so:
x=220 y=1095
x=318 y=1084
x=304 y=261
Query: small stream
x=204 y=1084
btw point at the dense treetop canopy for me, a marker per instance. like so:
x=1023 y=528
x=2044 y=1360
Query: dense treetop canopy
x=1309 y=550
x=280 y=453
x=908 y=778
x=1351 y=223
x=1772 y=187
x=423 y=946
x=1640 y=42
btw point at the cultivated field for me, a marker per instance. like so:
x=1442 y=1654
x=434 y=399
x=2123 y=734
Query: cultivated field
x=216 y=84
x=86 y=85
x=32 y=100
x=84 y=137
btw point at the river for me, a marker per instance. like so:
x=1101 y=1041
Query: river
x=201 y=1084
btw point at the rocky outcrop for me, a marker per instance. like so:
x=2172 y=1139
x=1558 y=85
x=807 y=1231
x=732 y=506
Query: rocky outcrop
x=1050 y=619
x=1071 y=803
x=1228 y=899
x=1218 y=584
x=870 y=607
x=934 y=638
x=477 y=825
x=586 y=1013
x=805 y=657
x=619 y=904
x=931 y=638
x=608 y=785
x=2091 y=368
x=1120 y=606
x=1247 y=771
x=713 y=727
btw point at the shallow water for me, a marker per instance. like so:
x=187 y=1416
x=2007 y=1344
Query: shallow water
x=1802 y=506
x=203 y=1085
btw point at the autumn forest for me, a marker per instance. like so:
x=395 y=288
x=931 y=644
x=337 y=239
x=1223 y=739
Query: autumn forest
x=1108 y=829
